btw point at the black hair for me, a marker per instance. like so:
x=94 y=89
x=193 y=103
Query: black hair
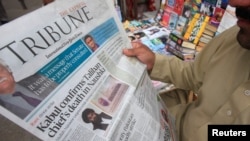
x=87 y=36
x=85 y=114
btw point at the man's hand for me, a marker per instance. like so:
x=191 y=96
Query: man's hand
x=143 y=53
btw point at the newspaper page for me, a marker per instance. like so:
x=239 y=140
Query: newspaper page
x=228 y=20
x=64 y=77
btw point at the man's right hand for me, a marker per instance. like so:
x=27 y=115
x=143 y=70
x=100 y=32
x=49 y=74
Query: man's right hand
x=143 y=53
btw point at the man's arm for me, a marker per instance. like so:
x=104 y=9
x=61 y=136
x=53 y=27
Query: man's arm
x=163 y=68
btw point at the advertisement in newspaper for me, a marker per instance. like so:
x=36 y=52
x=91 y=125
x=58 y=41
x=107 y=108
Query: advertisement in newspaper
x=64 y=77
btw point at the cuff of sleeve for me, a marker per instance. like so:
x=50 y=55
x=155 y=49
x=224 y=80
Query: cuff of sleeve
x=160 y=62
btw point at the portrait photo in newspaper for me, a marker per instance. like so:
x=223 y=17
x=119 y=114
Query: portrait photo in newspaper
x=22 y=97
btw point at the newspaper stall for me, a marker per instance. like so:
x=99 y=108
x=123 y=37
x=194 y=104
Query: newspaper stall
x=67 y=90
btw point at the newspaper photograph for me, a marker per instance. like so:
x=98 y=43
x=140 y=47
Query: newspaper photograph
x=63 y=77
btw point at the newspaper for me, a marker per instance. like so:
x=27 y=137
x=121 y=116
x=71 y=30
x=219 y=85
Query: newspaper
x=228 y=20
x=65 y=90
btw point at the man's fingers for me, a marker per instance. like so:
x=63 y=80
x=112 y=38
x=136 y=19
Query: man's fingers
x=136 y=44
x=129 y=52
x=137 y=50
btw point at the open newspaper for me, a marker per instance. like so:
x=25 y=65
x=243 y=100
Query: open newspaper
x=67 y=90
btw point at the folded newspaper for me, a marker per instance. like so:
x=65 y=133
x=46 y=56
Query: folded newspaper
x=64 y=77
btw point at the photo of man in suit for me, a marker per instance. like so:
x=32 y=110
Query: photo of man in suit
x=89 y=40
x=99 y=121
x=14 y=96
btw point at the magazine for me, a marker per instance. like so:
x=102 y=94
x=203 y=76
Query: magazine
x=72 y=81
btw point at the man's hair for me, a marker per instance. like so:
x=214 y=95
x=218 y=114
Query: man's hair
x=87 y=36
x=85 y=114
x=2 y=63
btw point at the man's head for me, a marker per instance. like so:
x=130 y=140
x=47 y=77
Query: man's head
x=89 y=115
x=89 y=40
x=243 y=15
x=7 y=82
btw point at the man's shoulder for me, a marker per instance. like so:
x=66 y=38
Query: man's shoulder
x=233 y=30
x=226 y=38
